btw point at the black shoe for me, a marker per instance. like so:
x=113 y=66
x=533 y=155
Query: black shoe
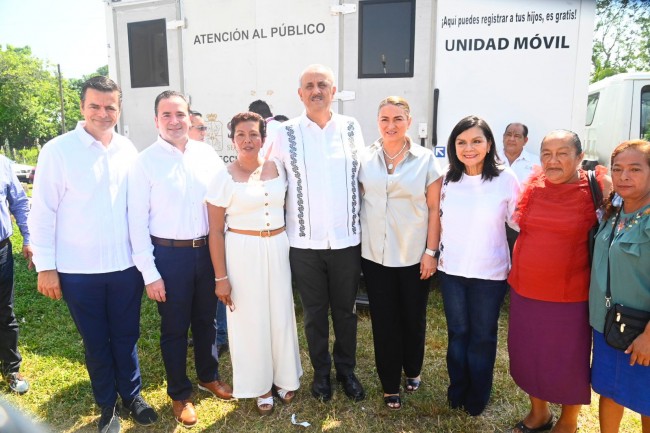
x=222 y=348
x=140 y=411
x=351 y=386
x=321 y=388
x=109 y=422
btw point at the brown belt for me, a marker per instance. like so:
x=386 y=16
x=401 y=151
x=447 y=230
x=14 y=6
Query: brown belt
x=260 y=233
x=175 y=243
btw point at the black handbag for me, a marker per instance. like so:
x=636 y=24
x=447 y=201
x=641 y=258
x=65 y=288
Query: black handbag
x=597 y=197
x=622 y=324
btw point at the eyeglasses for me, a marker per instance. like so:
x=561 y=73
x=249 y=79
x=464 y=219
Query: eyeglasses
x=200 y=128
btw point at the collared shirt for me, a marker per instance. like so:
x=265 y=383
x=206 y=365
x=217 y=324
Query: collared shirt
x=394 y=211
x=322 y=167
x=522 y=166
x=13 y=201
x=78 y=218
x=167 y=188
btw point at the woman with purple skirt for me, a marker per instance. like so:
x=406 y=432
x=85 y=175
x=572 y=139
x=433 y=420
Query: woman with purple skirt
x=549 y=338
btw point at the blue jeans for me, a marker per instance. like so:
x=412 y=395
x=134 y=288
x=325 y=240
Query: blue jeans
x=222 y=324
x=9 y=356
x=472 y=309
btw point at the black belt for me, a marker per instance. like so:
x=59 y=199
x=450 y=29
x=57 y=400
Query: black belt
x=175 y=243
x=4 y=242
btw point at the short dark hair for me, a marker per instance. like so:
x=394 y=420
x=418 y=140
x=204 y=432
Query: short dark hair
x=101 y=84
x=169 y=94
x=260 y=107
x=280 y=118
x=247 y=116
x=525 y=128
x=195 y=113
x=491 y=168
x=575 y=140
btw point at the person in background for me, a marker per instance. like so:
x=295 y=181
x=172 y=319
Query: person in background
x=319 y=151
x=13 y=202
x=198 y=129
x=549 y=338
x=281 y=118
x=272 y=124
x=80 y=236
x=400 y=226
x=253 y=277
x=478 y=196
x=623 y=378
x=521 y=161
x=197 y=132
x=168 y=226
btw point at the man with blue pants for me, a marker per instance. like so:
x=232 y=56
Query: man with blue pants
x=13 y=201
x=168 y=223
x=82 y=253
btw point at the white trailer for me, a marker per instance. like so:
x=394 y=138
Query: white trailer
x=504 y=60
x=618 y=109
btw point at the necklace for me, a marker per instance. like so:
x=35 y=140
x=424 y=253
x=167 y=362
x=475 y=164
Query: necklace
x=250 y=173
x=392 y=158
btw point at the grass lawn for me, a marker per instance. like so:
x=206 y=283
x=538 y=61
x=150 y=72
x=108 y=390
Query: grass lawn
x=60 y=392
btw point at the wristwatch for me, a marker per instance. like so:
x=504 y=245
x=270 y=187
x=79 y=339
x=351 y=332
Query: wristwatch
x=433 y=253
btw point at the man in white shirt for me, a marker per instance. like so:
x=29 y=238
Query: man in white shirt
x=168 y=225
x=80 y=238
x=319 y=151
x=522 y=162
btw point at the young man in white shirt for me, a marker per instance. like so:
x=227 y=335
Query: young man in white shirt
x=80 y=239
x=319 y=151
x=168 y=226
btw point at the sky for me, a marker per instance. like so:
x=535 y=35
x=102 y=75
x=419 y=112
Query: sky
x=71 y=33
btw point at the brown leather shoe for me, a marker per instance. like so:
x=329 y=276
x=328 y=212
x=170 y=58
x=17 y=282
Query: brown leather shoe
x=217 y=388
x=184 y=412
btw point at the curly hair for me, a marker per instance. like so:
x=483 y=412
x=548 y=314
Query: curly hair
x=640 y=145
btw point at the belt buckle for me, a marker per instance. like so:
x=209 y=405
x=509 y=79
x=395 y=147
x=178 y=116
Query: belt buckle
x=195 y=243
x=267 y=235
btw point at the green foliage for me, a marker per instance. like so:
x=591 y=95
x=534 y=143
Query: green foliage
x=621 y=38
x=29 y=99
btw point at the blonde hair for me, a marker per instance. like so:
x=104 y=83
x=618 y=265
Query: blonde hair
x=397 y=101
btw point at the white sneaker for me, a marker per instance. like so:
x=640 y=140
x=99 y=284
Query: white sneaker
x=17 y=383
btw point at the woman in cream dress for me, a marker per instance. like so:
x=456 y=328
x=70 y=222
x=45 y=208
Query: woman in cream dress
x=252 y=273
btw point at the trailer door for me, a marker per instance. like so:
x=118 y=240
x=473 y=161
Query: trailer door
x=148 y=61
x=387 y=49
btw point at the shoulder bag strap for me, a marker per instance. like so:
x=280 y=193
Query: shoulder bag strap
x=608 y=293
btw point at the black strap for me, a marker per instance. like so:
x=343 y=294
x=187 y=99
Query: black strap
x=608 y=293
x=596 y=192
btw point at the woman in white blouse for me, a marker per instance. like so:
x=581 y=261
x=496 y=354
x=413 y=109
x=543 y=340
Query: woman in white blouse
x=399 y=239
x=251 y=268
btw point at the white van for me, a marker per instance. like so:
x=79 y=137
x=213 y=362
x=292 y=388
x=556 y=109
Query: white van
x=504 y=60
x=618 y=109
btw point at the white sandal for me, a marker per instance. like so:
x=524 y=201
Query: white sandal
x=265 y=401
x=286 y=396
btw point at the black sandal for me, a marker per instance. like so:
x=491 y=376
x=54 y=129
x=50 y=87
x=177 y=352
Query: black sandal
x=412 y=385
x=393 y=402
x=523 y=428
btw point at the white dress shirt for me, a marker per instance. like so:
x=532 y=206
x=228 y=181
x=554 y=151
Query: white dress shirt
x=166 y=197
x=394 y=211
x=78 y=220
x=322 y=165
x=522 y=166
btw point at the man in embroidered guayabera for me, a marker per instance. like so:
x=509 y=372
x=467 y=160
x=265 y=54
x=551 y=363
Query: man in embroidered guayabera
x=319 y=150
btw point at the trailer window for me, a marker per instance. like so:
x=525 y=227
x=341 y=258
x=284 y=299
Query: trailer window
x=592 y=103
x=386 y=38
x=645 y=112
x=148 y=53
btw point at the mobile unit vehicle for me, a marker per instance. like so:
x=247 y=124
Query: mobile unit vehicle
x=618 y=109
x=504 y=60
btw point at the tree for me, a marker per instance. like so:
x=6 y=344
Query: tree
x=621 y=37
x=29 y=99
